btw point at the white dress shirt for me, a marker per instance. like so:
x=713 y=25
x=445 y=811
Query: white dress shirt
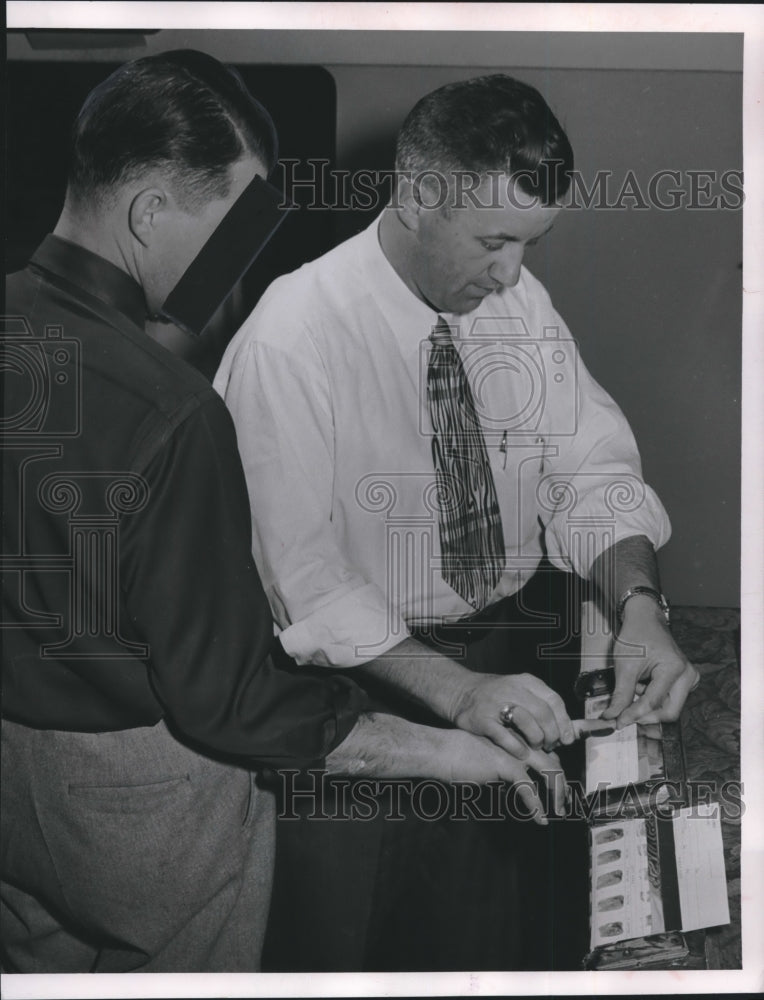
x=326 y=382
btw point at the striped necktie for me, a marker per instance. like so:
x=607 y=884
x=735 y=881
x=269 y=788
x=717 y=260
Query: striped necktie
x=471 y=537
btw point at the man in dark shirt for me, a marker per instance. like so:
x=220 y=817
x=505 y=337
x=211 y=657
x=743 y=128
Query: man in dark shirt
x=141 y=689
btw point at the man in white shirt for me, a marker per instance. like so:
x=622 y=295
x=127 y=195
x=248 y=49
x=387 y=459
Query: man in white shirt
x=331 y=386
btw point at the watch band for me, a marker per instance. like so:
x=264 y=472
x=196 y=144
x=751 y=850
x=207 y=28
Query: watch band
x=659 y=599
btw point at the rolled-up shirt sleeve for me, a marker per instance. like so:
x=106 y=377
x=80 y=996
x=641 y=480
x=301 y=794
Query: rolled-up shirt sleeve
x=279 y=396
x=193 y=594
x=593 y=493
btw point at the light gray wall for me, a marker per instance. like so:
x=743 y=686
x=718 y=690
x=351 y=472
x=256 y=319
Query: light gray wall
x=555 y=49
x=653 y=297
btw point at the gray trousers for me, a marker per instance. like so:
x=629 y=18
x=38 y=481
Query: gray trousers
x=128 y=851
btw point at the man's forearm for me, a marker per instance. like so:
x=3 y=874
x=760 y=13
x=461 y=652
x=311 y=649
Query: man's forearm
x=428 y=678
x=387 y=746
x=644 y=651
x=475 y=701
x=629 y=563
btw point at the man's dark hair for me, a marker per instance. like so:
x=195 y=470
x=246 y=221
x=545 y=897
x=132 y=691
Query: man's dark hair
x=182 y=111
x=489 y=123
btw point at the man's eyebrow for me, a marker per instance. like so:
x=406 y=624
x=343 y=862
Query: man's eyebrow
x=510 y=237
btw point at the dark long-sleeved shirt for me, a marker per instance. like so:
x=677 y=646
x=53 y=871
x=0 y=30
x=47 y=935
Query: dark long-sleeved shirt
x=130 y=593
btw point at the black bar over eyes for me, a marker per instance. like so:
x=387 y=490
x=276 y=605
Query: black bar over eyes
x=226 y=256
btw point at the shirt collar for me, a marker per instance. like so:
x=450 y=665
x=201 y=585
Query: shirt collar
x=92 y=274
x=410 y=319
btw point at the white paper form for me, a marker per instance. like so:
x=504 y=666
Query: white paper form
x=701 y=878
x=611 y=761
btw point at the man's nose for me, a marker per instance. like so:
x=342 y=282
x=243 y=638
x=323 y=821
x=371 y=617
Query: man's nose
x=505 y=269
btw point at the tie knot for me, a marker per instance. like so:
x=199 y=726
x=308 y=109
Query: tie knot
x=441 y=334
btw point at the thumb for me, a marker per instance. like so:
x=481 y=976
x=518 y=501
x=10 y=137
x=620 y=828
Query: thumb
x=626 y=677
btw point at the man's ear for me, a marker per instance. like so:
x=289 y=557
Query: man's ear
x=147 y=211
x=409 y=205
x=420 y=195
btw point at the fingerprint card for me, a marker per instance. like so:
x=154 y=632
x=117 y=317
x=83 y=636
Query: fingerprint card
x=657 y=874
x=612 y=761
x=622 y=898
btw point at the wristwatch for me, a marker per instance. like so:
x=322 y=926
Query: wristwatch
x=659 y=599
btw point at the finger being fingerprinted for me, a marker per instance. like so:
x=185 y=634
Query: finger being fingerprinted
x=561 y=793
x=533 y=804
x=556 y=786
x=618 y=702
x=635 y=714
x=625 y=682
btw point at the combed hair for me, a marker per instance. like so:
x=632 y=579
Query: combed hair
x=182 y=111
x=489 y=123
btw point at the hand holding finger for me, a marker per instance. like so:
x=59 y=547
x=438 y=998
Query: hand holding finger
x=508 y=741
x=520 y=719
x=648 y=664
x=554 y=703
x=671 y=707
x=530 y=707
x=656 y=693
x=626 y=677
x=537 y=711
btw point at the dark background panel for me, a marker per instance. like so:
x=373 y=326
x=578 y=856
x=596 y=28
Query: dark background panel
x=43 y=99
